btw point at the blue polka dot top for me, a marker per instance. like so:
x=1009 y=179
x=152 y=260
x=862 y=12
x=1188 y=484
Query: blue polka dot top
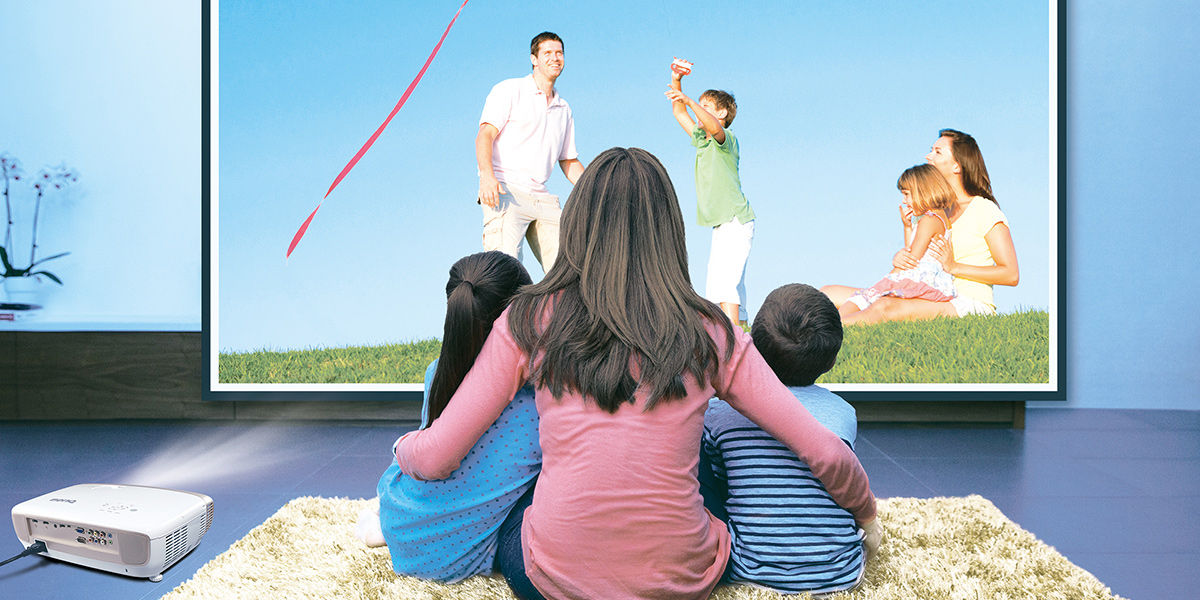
x=447 y=529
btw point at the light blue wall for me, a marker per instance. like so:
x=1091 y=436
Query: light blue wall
x=1133 y=185
x=113 y=88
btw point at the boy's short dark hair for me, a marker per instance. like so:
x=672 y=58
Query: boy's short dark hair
x=723 y=100
x=541 y=37
x=798 y=331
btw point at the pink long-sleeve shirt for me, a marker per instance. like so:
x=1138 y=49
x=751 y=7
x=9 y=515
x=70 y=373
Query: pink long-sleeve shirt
x=617 y=511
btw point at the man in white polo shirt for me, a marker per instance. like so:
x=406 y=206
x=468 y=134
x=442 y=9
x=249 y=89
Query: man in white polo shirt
x=525 y=128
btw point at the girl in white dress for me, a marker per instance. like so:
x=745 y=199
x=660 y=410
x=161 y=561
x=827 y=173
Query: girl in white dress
x=929 y=198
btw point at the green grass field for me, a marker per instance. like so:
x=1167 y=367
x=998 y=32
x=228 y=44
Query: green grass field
x=391 y=363
x=1009 y=348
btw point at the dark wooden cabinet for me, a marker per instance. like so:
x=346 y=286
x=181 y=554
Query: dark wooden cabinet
x=157 y=375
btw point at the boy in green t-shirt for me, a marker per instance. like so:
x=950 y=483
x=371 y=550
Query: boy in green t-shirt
x=720 y=203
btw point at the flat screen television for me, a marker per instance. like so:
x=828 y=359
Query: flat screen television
x=834 y=100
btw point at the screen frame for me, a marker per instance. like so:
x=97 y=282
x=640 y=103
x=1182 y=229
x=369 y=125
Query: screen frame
x=211 y=390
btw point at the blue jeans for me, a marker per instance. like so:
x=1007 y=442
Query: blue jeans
x=715 y=492
x=510 y=560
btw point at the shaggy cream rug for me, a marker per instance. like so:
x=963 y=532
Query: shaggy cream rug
x=940 y=548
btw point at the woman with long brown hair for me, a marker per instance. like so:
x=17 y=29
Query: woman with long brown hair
x=624 y=356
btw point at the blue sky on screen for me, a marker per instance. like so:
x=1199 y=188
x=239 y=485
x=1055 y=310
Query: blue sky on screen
x=834 y=101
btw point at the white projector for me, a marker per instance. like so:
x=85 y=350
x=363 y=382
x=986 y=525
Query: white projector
x=126 y=529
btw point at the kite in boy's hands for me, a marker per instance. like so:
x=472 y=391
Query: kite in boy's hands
x=680 y=66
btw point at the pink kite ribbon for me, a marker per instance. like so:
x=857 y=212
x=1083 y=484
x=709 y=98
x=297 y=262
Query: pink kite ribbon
x=374 y=136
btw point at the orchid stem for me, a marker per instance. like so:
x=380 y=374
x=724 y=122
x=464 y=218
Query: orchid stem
x=37 y=208
x=8 y=208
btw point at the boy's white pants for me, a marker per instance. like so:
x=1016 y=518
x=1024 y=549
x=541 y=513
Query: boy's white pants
x=726 y=279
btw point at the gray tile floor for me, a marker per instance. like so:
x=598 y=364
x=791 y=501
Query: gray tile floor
x=1116 y=491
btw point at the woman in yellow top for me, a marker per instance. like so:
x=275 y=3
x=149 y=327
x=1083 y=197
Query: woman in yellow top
x=981 y=255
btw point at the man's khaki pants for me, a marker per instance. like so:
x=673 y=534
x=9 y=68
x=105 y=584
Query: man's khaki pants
x=523 y=215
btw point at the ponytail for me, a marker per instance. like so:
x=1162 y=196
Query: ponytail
x=477 y=292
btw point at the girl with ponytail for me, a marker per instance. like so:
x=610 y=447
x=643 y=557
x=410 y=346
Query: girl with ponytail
x=447 y=530
x=479 y=289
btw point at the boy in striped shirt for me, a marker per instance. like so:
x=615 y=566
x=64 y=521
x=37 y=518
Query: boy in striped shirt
x=786 y=532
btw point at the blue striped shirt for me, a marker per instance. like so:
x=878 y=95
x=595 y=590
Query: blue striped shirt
x=786 y=532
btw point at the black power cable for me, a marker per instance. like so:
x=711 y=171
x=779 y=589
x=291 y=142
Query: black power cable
x=38 y=546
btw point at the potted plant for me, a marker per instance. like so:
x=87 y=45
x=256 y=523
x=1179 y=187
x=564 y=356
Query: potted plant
x=22 y=282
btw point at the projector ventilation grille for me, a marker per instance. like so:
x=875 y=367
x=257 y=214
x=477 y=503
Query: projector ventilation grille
x=176 y=544
x=207 y=519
